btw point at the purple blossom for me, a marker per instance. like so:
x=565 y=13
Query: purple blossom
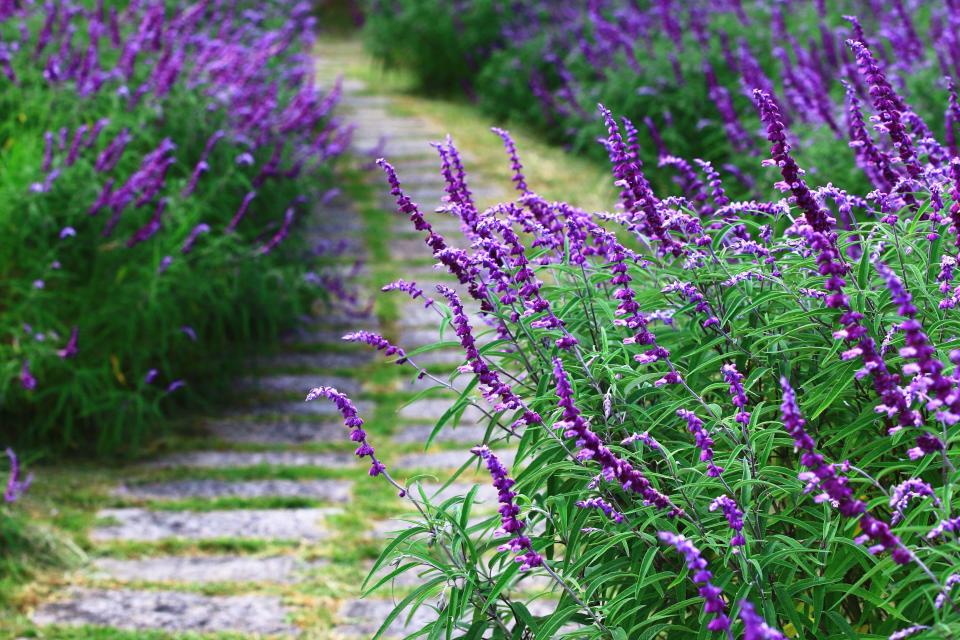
x=755 y=627
x=703 y=441
x=519 y=181
x=242 y=211
x=67 y=232
x=904 y=633
x=738 y=396
x=888 y=105
x=644 y=437
x=165 y=263
x=176 y=384
x=613 y=468
x=817 y=217
x=188 y=331
x=713 y=602
x=410 y=288
x=734 y=516
x=602 y=505
x=281 y=233
x=510 y=523
x=27 y=381
x=836 y=487
x=378 y=342
x=16 y=486
x=151 y=376
x=901 y=494
x=192 y=238
x=70 y=350
x=353 y=421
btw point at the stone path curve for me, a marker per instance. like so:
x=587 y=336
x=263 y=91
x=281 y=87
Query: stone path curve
x=188 y=523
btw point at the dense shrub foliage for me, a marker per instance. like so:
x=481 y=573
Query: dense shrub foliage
x=683 y=71
x=732 y=418
x=155 y=156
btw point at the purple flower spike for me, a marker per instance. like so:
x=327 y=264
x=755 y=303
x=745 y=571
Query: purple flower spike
x=734 y=517
x=27 y=381
x=151 y=376
x=518 y=179
x=410 y=288
x=509 y=522
x=613 y=468
x=835 y=487
x=703 y=441
x=176 y=384
x=378 y=342
x=738 y=396
x=71 y=349
x=601 y=505
x=189 y=332
x=754 y=627
x=67 y=232
x=713 y=602
x=242 y=211
x=816 y=216
x=901 y=494
x=16 y=486
x=352 y=420
x=192 y=238
x=889 y=106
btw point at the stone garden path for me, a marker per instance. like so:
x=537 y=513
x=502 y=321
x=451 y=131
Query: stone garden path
x=268 y=525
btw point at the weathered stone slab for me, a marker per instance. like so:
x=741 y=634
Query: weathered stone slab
x=364 y=100
x=277 y=431
x=416 y=315
x=438 y=358
x=364 y=617
x=204 y=569
x=168 y=611
x=319 y=335
x=329 y=490
x=395 y=147
x=240 y=459
x=432 y=409
x=418 y=433
x=414 y=338
x=318 y=408
x=270 y=524
x=409 y=247
x=321 y=361
x=445 y=459
x=299 y=385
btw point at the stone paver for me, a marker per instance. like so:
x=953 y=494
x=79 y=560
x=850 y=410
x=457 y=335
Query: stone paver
x=419 y=433
x=364 y=617
x=168 y=611
x=432 y=409
x=299 y=385
x=417 y=316
x=240 y=459
x=268 y=524
x=320 y=407
x=327 y=490
x=204 y=569
x=321 y=361
x=445 y=459
x=277 y=431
